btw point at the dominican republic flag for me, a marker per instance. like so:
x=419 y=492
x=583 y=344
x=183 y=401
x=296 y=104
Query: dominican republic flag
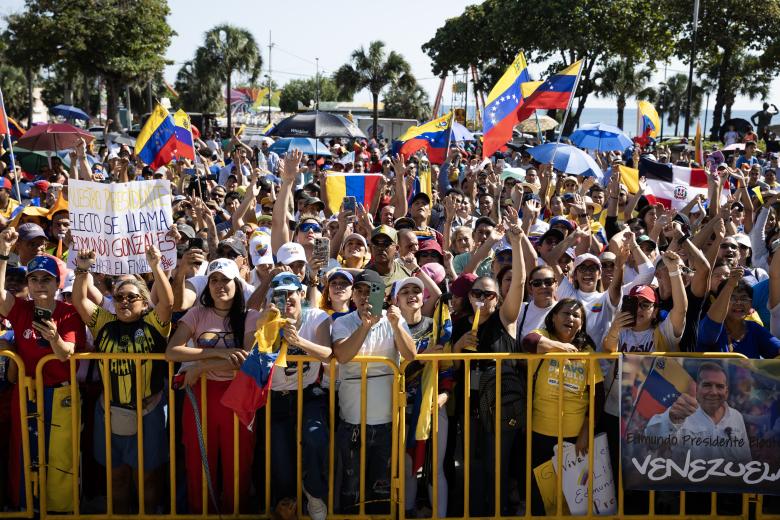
x=671 y=185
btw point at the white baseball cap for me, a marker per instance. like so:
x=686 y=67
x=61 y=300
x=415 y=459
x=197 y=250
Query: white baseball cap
x=356 y=236
x=260 y=249
x=743 y=240
x=407 y=281
x=290 y=252
x=226 y=266
x=586 y=257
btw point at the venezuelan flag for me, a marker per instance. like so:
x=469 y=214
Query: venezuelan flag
x=665 y=382
x=4 y=129
x=184 y=147
x=554 y=93
x=358 y=185
x=500 y=114
x=156 y=144
x=434 y=136
x=649 y=123
x=15 y=129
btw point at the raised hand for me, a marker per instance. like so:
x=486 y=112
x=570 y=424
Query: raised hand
x=291 y=163
x=153 y=256
x=85 y=259
x=8 y=239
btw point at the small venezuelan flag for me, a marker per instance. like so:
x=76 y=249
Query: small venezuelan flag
x=156 y=144
x=358 y=185
x=434 y=136
x=184 y=146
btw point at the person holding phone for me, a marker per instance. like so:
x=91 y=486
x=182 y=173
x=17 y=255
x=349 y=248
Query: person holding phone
x=134 y=327
x=367 y=332
x=42 y=325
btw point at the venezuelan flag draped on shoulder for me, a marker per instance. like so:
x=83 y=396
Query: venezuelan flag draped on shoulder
x=156 y=144
x=554 y=93
x=500 y=115
x=434 y=136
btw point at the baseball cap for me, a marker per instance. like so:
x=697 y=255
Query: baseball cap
x=586 y=257
x=435 y=271
x=369 y=277
x=404 y=223
x=290 y=252
x=234 y=244
x=571 y=253
x=260 y=250
x=227 y=267
x=421 y=195
x=608 y=256
x=462 y=284
x=743 y=240
x=185 y=230
x=285 y=282
x=44 y=263
x=389 y=232
x=355 y=236
x=498 y=247
x=562 y=221
x=552 y=233
x=643 y=291
x=407 y=281
x=641 y=239
x=430 y=245
x=29 y=231
x=5 y=184
x=342 y=273
x=42 y=185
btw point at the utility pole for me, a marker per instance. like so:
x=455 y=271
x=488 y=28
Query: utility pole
x=690 y=70
x=317 y=98
x=270 y=82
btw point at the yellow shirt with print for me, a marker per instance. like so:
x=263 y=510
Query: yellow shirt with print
x=12 y=205
x=575 y=394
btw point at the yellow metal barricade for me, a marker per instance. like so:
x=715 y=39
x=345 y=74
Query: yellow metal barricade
x=29 y=475
x=752 y=505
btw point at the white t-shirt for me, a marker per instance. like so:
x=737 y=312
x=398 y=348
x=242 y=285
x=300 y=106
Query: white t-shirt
x=598 y=309
x=199 y=284
x=730 y=137
x=379 y=382
x=287 y=378
x=534 y=318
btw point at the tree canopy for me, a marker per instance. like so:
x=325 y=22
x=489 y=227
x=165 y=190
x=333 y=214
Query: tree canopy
x=305 y=91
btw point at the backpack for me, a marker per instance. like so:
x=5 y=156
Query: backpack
x=513 y=397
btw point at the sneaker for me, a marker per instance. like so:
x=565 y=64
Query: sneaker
x=316 y=507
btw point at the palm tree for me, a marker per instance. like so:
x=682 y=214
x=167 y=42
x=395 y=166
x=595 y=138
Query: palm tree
x=231 y=49
x=621 y=79
x=199 y=91
x=411 y=103
x=373 y=69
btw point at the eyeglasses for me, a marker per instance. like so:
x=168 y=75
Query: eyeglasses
x=538 y=282
x=212 y=339
x=310 y=226
x=479 y=294
x=127 y=298
x=645 y=305
x=741 y=299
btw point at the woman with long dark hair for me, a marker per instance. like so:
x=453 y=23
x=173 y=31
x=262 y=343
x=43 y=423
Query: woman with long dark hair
x=564 y=331
x=213 y=339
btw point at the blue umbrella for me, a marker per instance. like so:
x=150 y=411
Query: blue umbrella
x=601 y=137
x=461 y=133
x=568 y=158
x=70 y=112
x=305 y=144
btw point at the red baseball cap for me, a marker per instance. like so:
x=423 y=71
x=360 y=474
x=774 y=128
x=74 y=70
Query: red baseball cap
x=42 y=185
x=644 y=291
x=6 y=184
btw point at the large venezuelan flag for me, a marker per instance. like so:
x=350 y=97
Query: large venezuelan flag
x=4 y=128
x=156 y=144
x=434 y=136
x=358 y=185
x=15 y=129
x=553 y=94
x=184 y=146
x=500 y=114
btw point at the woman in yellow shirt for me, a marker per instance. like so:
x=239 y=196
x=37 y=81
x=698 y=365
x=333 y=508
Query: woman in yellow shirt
x=564 y=331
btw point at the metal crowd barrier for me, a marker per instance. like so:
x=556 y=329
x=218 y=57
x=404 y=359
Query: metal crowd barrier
x=36 y=477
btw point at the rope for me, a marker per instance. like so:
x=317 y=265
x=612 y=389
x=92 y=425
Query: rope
x=203 y=458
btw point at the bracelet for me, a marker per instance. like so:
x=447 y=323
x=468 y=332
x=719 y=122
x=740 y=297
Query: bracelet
x=674 y=273
x=4 y=257
x=79 y=270
x=416 y=270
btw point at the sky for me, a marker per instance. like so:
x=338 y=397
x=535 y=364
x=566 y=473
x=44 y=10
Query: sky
x=305 y=30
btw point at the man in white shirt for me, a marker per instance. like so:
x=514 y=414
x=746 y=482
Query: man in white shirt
x=362 y=333
x=705 y=425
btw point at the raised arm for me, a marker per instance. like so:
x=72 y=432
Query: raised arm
x=247 y=203
x=679 y=297
x=399 y=199
x=634 y=200
x=164 y=307
x=280 y=230
x=510 y=309
x=8 y=238
x=720 y=307
x=84 y=305
x=774 y=281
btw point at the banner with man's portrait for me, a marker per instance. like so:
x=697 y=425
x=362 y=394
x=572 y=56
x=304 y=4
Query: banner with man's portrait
x=701 y=424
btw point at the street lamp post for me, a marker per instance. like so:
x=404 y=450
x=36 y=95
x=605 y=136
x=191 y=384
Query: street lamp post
x=690 y=69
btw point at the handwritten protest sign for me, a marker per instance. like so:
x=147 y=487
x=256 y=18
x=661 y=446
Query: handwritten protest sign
x=119 y=221
x=576 y=476
x=727 y=441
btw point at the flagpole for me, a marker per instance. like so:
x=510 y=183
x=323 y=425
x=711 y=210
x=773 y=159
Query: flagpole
x=566 y=115
x=11 y=147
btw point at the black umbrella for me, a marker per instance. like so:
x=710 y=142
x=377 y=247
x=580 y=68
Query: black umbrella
x=740 y=125
x=316 y=125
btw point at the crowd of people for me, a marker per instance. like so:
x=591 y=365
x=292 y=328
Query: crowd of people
x=490 y=261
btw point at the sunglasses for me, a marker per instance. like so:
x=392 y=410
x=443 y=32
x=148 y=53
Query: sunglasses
x=310 y=226
x=381 y=245
x=227 y=253
x=212 y=339
x=479 y=294
x=428 y=254
x=538 y=282
x=127 y=298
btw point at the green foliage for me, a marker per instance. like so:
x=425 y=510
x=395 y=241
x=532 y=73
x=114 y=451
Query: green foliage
x=373 y=69
x=14 y=84
x=621 y=79
x=671 y=96
x=200 y=90
x=305 y=91
x=407 y=103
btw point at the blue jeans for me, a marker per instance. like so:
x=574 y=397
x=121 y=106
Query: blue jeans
x=314 y=446
x=378 y=474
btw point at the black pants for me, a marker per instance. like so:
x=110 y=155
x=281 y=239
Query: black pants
x=542 y=451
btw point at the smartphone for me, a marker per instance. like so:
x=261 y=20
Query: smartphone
x=280 y=301
x=321 y=249
x=40 y=314
x=195 y=243
x=630 y=304
x=350 y=204
x=190 y=171
x=377 y=299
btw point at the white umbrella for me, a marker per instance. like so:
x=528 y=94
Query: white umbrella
x=546 y=123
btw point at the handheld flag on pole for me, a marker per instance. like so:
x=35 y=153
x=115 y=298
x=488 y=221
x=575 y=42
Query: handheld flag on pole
x=156 y=144
x=433 y=136
x=184 y=141
x=361 y=186
x=5 y=129
x=673 y=186
x=500 y=115
x=649 y=122
x=555 y=93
